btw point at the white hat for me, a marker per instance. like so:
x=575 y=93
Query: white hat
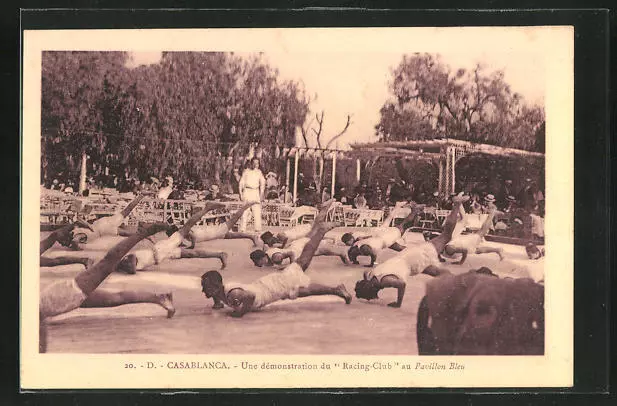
x=489 y=198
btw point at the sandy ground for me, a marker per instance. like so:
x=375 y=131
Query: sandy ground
x=316 y=325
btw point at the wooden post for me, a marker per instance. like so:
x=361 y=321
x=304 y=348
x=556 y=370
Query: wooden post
x=82 y=174
x=453 y=157
x=297 y=158
x=441 y=188
x=287 y=174
x=333 y=174
x=358 y=170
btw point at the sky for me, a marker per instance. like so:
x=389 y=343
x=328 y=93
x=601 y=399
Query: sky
x=356 y=82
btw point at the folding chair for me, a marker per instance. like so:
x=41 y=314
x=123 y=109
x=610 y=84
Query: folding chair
x=428 y=218
x=287 y=217
x=351 y=216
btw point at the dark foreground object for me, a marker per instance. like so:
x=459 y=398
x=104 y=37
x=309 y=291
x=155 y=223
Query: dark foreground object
x=474 y=314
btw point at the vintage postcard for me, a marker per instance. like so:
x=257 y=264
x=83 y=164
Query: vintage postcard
x=297 y=208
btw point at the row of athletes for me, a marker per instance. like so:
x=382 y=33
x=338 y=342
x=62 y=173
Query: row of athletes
x=290 y=283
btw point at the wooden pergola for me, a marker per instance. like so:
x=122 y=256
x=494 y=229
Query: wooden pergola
x=446 y=152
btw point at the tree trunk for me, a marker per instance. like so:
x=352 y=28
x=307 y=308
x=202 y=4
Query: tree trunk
x=82 y=173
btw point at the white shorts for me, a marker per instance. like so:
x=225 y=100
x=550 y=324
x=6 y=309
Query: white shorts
x=278 y=285
x=297 y=232
x=60 y=297
x=208 y=233
x=103 y=226
x=419 y=256
x=469 y=242
x=396 y=266
x=376 y=243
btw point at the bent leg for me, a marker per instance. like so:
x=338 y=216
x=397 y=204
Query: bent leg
x=316 y=289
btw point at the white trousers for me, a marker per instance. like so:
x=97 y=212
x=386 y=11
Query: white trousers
x=251 y=195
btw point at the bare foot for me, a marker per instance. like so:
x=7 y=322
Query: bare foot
x=223 y=259
x=166 y=301
x=394 y=304
x=342 y=292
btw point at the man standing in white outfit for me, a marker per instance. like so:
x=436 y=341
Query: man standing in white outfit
x=252 y=188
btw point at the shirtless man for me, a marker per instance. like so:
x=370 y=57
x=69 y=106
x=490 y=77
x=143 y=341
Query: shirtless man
x=170 y=247
x=290 y=283
x=63 y=236
x=387 y=237
x=276 y=256
x=65 y=295
x=222 y=231
x=464 y=244
x=104 y=226
x=412 y=260
x=286 y=237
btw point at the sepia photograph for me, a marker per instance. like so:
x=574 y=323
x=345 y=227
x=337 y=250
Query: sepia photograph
x=292 y=202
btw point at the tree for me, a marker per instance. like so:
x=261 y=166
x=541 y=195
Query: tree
x=310 y=132
x=183 y=116
x=429 y=101
x=73 y=99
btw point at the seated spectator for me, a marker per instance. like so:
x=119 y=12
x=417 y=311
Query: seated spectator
x=271 y=181
x=166 y=190
x=434 y=201
x=489 y=204
x=325 y=196
x=272 y=194
x=310 y=197
x=69 y=188
x=360 y=201
x=213 y=193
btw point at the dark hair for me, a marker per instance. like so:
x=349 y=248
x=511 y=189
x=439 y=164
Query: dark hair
x=366 y=289
x=257 y=255
x=211 y=278
x=366 y=249
x=267 y=237
x=485 y=271
x=277 y=258
x=531 y=249
x=346 y=237
x=353 y=253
